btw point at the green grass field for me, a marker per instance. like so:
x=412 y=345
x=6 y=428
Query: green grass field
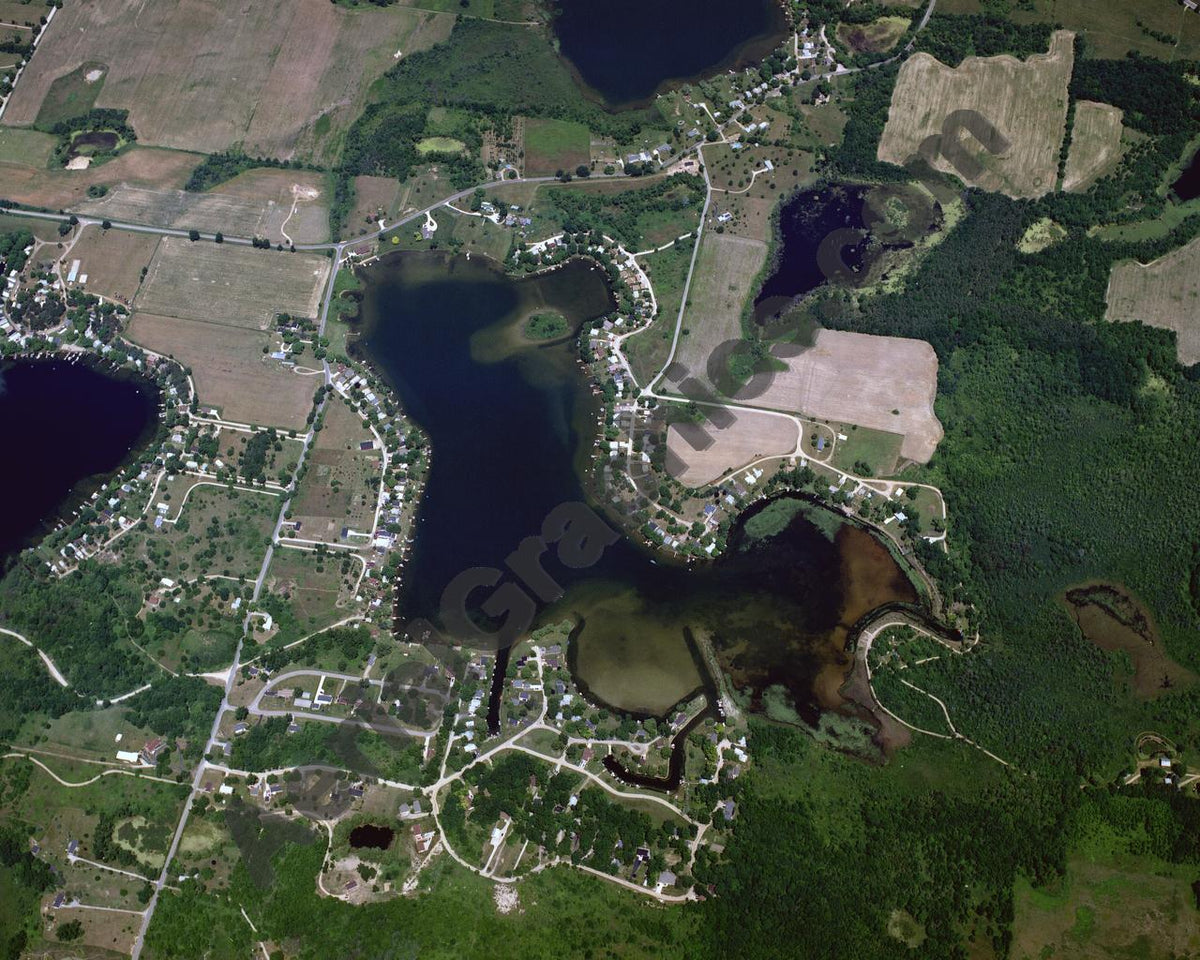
x=27 y=148
x=553 y=145
x=440 y=145
x=71 y=95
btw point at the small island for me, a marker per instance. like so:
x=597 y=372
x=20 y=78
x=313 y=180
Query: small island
x=546 y=325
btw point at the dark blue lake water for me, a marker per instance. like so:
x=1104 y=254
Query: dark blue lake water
x=626 y=50
x=511 y=428
x=61 y=426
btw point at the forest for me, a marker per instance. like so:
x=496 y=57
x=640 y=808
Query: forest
x=80 y=621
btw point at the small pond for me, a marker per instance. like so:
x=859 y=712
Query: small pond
x=371 y=835
x=1187 y=187
x=93 y=142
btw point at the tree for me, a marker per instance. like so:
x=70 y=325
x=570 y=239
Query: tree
x=193 y=235
x=71 y=930
x=106 y=225
x=219 y=238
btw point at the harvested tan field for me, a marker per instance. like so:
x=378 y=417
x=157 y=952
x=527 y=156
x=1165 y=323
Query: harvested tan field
x=33 y=184
x=726 y=268
x=13 y=11
x=1095 y=145
x=1024 y=101
x=749 y=437
x=1165 y=293
x=371 y=196
x=279 y=78
x=113 y=260
x=255 y=203
x=235 y=286
x=886 y=383
x=230 y=371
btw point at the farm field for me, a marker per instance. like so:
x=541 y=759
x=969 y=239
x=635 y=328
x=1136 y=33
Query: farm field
x=13 y=11
x=726 y=269
x=1095 y=145
x=750 y=436
x=113 y=260
x=254 y=203
x=341 y=487
x=885 y=383
x=1165 y=293
x=232 y=285
x=1025 y=101
x=553 y=145
x=230 y=371
x=282 y=78
x=24 y=177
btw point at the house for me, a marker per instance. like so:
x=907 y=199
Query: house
x=240 y=728
x=72 y=847
x=729 y=809
x=152 y=750
x=666 y=879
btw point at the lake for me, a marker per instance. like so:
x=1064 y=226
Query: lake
x=64 y=427
x=627 y=50
x=511 y=427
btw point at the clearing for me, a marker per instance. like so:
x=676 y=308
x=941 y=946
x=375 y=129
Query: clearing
x=1141 y=908
x=235 y=286
x=749 y=437
x=230 y=370
x=113 y=260
x=306 y=591
x=1164 y=293
x=1024 y=101
x=885 y=383
x=878 y=36
x=1095 y=145
x=218 y=532
x=278 y=78
x=1042 y=233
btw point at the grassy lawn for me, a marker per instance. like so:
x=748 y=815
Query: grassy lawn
x=876 y=448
